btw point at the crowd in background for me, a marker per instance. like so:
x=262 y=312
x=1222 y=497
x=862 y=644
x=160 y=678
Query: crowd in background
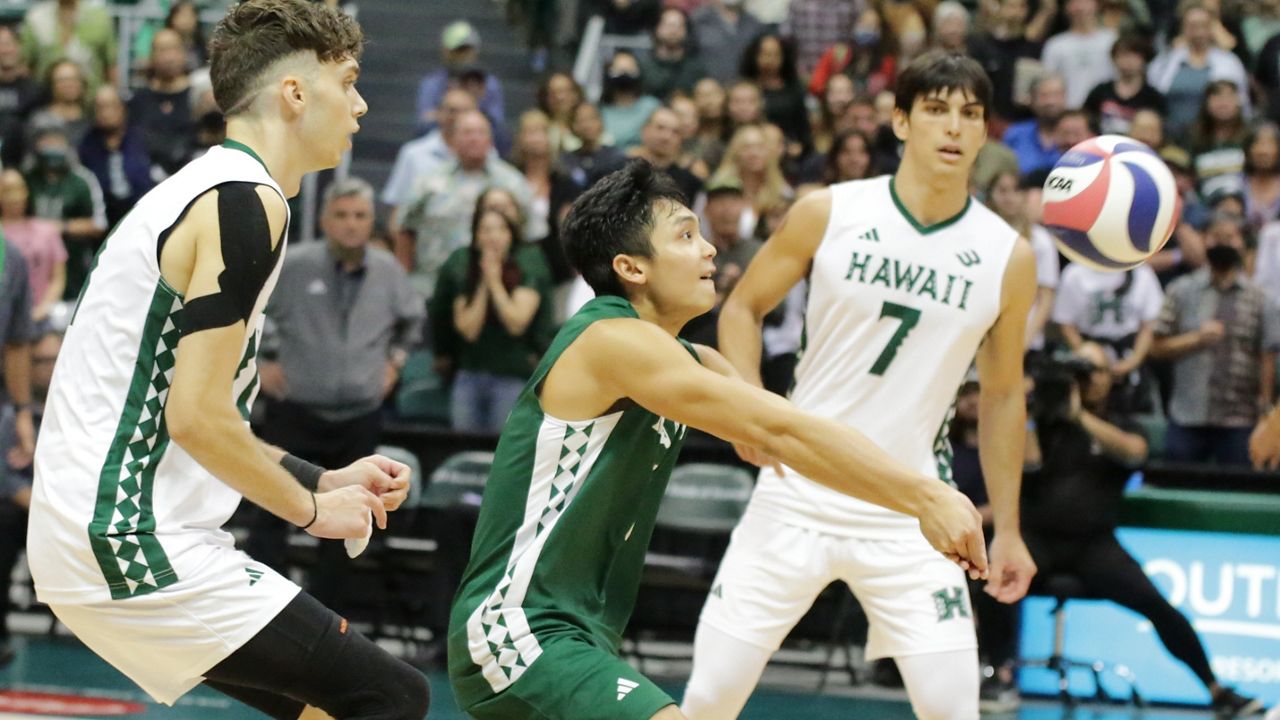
x=748 y=105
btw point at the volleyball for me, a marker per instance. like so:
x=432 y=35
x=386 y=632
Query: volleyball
x=1111 y=203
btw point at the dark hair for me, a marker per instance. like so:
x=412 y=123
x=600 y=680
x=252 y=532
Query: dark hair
x=511 y=275
x=544 y=93
x=608 y=92
x=615 y=217
x=937 y=71
x=749 y=67
x=197 y=36
x=1077 y=113
x=832 y=172
x=257 y=33
x=1133 y=42
x=1202 y=131
x=84 y=80
x=1256 y=132
x=484 y=195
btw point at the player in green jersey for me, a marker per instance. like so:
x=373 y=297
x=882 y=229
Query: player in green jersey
x=585 y=456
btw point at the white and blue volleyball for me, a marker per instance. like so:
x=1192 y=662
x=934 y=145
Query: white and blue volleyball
x=1111 y=203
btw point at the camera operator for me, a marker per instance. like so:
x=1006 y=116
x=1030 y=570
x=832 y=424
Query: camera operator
x=1071 y=505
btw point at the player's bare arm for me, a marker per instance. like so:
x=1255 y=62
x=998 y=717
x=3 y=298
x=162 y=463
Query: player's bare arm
x=781 y=263
x=620 y=360
x=1002 y=420
x=201 y=414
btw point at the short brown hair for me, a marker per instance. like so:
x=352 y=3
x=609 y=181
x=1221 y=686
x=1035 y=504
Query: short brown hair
x=257 y=33
x=939 y=71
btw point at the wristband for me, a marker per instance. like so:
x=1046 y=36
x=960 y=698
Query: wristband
x=315 y=513
x=305 y=473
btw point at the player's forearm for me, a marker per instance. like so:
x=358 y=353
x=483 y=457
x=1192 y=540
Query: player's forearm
x=1002 y=426
x=84 y=228
x=1126 y=447
x=846 y=461
x=218 y=439
x=741 y=340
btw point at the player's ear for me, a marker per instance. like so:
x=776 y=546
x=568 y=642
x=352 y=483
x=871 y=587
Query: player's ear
x=628 y=269
x=293 y=92
x=901 y=123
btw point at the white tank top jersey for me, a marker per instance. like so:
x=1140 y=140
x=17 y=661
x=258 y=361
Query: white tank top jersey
x=117 y=509
x=895 y=314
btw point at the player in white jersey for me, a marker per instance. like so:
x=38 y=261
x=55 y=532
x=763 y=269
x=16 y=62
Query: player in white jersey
x=908 y=279
x=146 y=449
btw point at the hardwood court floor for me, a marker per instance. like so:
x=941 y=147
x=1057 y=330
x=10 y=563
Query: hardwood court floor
x=61 y=666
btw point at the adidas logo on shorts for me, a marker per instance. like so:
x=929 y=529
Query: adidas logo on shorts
x=625 y=687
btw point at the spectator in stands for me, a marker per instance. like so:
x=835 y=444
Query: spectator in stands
x=1008 y=198
x=710 y=98
x=671 y=64
x=1183 y=72
x=1118 y=311
x=1217 y=140
x=18 y=95
x=1185 y=250
x=437 y=214
x=1266 y=260
x=770 y=63
x=625 y=17
x=15 y=481
x=1080 y=54
x=162 y=109
x=848 y=159
x=419 y=156
x=745 y=106
x=871 y=61
x=494 y=296
x=1148 y=126
x=1033 y=140
x=686 y=111
x=461 y=46
x=593 y=159
x=722 y=30
x=951 y=27
x=1262 y=175
x=339 y=327
x=558 y=95
x=83 y=33
x=829 y=120
x=815 y=25
x=1221 y=332
x=1264 y=442
x=66 y=106
x=661 y=146
x=116 y=153
x=1010 y=49
x=1082 y=454
x=623 y=106
x=724 y=212
x=1266 y=74
x=1114 y=103
x=184 y=19
x=66 y=193
x=533 y=156
x=38 y=240
x=748 y=164
x=1073 y=127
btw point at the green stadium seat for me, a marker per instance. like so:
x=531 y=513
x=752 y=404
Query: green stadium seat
x=423 y=395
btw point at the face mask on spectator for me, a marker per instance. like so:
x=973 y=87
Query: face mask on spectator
x=1223 y=257
x=624 y=81
x=866 y=38
x=52 y=159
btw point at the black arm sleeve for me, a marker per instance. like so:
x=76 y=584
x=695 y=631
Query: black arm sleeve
x=247 y=257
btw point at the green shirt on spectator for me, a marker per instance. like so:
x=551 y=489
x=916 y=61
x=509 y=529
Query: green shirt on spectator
x=67 y=196
x=92 y=44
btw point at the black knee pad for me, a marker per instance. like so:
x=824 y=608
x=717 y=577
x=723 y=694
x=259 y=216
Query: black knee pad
x=375 y=685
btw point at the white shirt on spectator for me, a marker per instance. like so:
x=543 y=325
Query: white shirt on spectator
x=1087 y=301
x=1083 y=61
x=1046 y=273
x=1266 y=265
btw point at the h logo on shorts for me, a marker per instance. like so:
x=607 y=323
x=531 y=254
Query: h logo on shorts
x=950 y=603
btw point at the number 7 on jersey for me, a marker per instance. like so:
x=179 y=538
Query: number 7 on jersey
x=909 y=317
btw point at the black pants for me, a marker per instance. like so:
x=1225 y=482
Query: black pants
x=13 y=537
x=308 y=655
x=330 y=445
x=1108 y=572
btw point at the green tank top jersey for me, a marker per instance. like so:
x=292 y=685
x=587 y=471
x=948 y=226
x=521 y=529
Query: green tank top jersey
x=560 y=543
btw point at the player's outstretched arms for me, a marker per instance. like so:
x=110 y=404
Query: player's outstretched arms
x=219 y=258
x=637 y=360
